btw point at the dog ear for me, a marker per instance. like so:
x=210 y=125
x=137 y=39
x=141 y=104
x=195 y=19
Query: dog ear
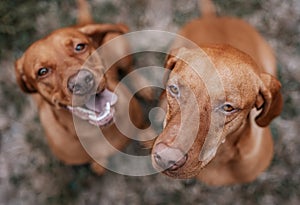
x=172 y=58
x=98 y=31
x=21 y=78
x=170 y=63
x=269 y=100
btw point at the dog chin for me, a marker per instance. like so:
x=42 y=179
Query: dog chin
x=180 y=174
x=98 y=110
x=184 y=172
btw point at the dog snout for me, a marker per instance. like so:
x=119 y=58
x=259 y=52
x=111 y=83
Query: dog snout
x=81 y=83
x=168 y=158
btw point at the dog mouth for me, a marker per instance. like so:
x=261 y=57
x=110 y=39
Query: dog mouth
x=98 y=110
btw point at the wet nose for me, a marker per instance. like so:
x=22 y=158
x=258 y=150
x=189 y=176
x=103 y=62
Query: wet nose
x=168 y=158
x=81 y=83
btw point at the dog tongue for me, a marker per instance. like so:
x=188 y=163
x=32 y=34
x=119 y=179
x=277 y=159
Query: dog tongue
x=97 y=102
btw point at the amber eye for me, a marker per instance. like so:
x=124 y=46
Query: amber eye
x=227 y=108
x=80 y=47
x=43 y=72
x=174 y=90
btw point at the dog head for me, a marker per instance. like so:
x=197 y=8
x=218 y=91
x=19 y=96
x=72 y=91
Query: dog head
x=210 y=95
x=62 y=69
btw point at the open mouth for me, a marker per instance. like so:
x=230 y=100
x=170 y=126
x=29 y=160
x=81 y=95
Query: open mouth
x=98 y=110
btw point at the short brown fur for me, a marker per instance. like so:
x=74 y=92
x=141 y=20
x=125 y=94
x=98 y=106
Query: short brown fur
x=246 y=66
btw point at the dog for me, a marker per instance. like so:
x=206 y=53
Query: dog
x=219 y=100
x=75 y=91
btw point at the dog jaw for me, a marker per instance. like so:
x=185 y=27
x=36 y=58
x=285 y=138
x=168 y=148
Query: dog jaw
x=98 y=110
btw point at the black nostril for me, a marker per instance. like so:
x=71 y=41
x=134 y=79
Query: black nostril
x=81 y=83
x=164 y=163
x=171 y=163
x=168 y=158
x=76 y=88
x=89 y=78
x=156 y=156
x=160 y=162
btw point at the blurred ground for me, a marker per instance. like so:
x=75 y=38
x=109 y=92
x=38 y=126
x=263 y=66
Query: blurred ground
x=29 y=174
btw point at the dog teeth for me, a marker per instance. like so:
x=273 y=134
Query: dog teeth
x=103 y=115
x=92 y=116
x=83 y=113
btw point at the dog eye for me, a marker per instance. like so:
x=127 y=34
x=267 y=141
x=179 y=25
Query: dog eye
x=43 y=71
x=80 y=47
x=174 y=90
x=227 y=108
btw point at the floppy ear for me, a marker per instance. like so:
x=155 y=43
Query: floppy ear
x=170 y=63
x=98 y=31
x=21 y=78
x=172 y=58
x=269 y=100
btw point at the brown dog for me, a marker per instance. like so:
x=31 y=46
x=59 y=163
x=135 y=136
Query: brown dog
x=220 y=100
x=68 y=89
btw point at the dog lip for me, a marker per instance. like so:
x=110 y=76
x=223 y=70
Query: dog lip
x=98 y=101
x=180 y=163
x=98 y=110
x=103 y=118
x=99 y=119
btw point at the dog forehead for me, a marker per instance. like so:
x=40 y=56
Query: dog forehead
x=196 y=69
x=225 y=72
x=67 y=37
x=238 y=73
x=191 y=66
x=68 y=32
x=48 y=49
x=38 y=53
x=183 y=72
x=41 y=53
x=226 y=58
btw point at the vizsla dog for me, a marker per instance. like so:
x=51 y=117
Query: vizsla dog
x=219 y=101
x=68 y=88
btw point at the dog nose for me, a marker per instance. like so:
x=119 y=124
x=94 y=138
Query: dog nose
x=81 y=83
x=168 y=158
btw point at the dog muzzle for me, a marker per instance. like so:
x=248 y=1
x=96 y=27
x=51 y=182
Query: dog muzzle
x=98 y=110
